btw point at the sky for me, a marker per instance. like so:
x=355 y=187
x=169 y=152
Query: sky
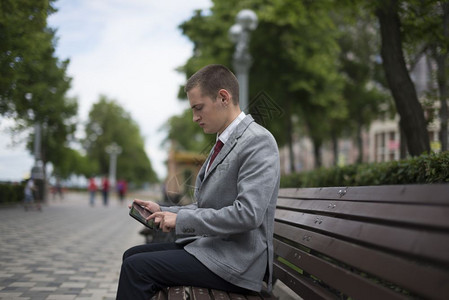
x=127 y=51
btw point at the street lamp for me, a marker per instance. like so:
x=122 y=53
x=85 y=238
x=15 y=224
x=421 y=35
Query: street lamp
x=37 y=171
x=113 y=150
x=239 y=33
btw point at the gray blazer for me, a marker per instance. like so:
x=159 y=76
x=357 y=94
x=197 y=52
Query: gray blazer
x=233 y=216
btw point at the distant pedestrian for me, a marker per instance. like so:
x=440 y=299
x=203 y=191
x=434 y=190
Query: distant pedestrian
x=92 y=187
x=121 y=189
x=30 y=189
x=57 y=190
x=105 y=189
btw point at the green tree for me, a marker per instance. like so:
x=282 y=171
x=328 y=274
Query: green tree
x=71 y=161
x=34 y=81
x=297 y=62
x=52 y=109
x=109 y=123
x=25 y=39
x=294 y=50
x=364 y=91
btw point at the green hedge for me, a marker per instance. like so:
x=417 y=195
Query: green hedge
x=427 y=168
x=11 y=192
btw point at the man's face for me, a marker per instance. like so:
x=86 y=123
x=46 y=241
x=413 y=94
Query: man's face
x=210 y=115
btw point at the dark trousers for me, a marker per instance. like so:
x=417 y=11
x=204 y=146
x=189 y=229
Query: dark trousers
x=105 y=197
x=148 y=268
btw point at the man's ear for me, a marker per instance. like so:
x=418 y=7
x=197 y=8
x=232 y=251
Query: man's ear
x=224 y=96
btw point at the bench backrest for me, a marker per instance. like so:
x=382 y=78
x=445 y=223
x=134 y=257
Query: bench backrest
x=376 y=242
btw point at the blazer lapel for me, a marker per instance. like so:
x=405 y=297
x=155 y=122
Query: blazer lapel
x=228 y=146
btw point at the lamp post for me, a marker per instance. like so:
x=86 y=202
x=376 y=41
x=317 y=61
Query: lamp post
x=37 y=171
x=113 y=150
x=240 y=33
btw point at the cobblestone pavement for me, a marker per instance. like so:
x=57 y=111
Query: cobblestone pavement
x=68 y=250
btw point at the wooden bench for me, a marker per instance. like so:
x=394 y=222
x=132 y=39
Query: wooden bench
x=374 y=242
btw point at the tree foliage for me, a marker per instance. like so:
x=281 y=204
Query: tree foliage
x=25 y=40
x=306 y=82
x=34 y=82
x=365 y=90
x=294 y=49
x=319 y=60
x=109 y=123
x=52 y=109
x=71 y=161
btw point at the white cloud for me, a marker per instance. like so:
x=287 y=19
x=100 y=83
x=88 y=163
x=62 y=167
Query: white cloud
x=128 y=51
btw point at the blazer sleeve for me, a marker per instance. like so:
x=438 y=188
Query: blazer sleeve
x=177 y=208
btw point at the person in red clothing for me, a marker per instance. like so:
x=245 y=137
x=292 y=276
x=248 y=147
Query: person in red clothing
x=92 y=187
x=105 y=190
x=121 y=189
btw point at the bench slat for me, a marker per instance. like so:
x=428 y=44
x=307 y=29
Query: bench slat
x=233 y=296
x=265 y=296
x=430 y=282
x=433 y=246
x=161 y=295
x=199 y=293
x=427 y=194
x=301 y=285
x=221 y=295
x=177 y=293
x=349 y=283
x=410 y=214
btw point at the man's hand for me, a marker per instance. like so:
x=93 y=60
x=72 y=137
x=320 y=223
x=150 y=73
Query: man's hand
x=166 y=220
x=149 y=205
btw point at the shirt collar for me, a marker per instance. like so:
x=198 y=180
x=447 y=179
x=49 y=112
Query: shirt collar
x=224 y=136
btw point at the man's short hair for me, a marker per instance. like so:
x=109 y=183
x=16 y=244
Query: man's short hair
x=211 y=79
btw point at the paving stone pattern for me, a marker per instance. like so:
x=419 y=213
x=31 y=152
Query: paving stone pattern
x=67 y=251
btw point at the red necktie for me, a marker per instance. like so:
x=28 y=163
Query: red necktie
x=217 y=149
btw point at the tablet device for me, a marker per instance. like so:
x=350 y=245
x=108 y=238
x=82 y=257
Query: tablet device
x=140 y=214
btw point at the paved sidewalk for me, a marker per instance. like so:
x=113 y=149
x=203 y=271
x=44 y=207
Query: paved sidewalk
x=68 y=251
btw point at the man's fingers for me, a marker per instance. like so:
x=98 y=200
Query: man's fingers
x=163 y=219
x=140 y=202
x=156 y=215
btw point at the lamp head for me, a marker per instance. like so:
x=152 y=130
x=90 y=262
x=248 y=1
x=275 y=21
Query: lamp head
x=247 y=19
x=234 y=32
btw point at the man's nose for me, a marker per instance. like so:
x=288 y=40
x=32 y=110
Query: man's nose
x=196 y=118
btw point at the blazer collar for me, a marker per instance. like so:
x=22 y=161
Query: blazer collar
x=228 y=146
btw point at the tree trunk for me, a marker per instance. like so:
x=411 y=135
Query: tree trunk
x=335 y=148
x=402 y=144
x=402 y=88
x=317 y=153
x=441 y=62
x=359 y=141
x=442 y=81
x=290 y=144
